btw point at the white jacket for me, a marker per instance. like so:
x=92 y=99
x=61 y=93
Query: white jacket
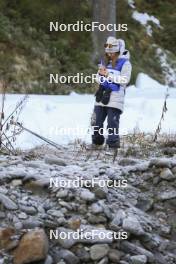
x=117 y=97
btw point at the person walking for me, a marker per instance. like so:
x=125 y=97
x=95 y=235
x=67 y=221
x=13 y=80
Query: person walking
x=113 y=75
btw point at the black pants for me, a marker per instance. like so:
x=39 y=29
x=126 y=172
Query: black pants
x=113 y=117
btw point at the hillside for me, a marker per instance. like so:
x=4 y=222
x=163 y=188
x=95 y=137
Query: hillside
x=29 y=52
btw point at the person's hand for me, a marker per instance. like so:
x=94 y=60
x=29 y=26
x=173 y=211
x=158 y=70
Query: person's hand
x=103 y=71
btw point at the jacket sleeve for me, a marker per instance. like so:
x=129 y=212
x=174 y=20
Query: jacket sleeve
x=126 y=73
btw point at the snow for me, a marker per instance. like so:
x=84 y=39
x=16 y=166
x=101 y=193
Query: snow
x=144 y=18
x=168 y=71
x=131 y=3
x=64 y=118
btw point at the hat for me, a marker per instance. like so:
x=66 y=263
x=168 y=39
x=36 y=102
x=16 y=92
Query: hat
x=111 y=41
x=118 y=45
x=121 y=44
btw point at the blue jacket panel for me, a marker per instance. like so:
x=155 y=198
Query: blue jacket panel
x=106 y=84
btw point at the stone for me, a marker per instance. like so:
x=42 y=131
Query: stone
x=114 y=255
x=169 y=151
x=3 y=190
x=165 y=230
x=62 y=193
x=74 y=223
x=19 y=173
x=132 y=225
x=17 y=182
x=97 y=252
x=174 y=170
x=38 y=186
x=28 y=209
x=127 y=162
x=140 y=167
x=31 y=223
x=48 y=260
x=96 y=208
x=167 y=195
x=22 y=216
x=87 y=208
x=97 y=219
x=106 y=210
x=51 y=159
x=7 y=202
x=132 y=248
x=2 y=215
x=87 y=195
x=68 y=256
x=64 y=237
x=33 y=246
x=139 y=259
x=55 y=213
x=103 y=261
x=166 y=174
x=36 y=164
x=118 y=219
x=83 y=254
x=40 y=209
x=50 y=224
x=145 y=204
x=171 y=203
x=100 y=192
x=5 y=237
x=18 y=225
x=160 y=163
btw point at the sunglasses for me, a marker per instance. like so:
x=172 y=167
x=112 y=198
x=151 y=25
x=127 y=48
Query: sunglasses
x=109 y=45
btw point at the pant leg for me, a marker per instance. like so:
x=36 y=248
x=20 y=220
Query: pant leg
x=113 y=127
x=99 y=116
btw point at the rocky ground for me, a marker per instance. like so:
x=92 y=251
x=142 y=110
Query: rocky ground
x=142 y=214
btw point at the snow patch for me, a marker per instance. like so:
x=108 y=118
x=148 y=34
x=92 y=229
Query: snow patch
x=169 y=72
x=131 y=3
x=144 y=18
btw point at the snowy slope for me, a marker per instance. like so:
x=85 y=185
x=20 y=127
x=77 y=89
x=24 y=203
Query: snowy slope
x=65 y=118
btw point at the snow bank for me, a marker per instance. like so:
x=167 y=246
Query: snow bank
x=144 y=104
x=66 y=118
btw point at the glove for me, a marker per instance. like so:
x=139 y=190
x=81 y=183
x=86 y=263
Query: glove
x=106 y=96
x=99 y=94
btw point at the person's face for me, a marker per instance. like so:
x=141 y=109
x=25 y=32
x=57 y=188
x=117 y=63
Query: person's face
x=111 y=55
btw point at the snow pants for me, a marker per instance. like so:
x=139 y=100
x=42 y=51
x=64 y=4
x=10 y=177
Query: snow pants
x=113 y=118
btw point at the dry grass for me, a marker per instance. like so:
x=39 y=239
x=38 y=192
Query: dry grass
x=8 y=130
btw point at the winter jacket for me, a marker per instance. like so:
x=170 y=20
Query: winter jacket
x=117 y=80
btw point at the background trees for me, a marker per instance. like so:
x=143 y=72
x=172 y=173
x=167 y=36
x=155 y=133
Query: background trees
x=104 y=12
x=29 y=52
